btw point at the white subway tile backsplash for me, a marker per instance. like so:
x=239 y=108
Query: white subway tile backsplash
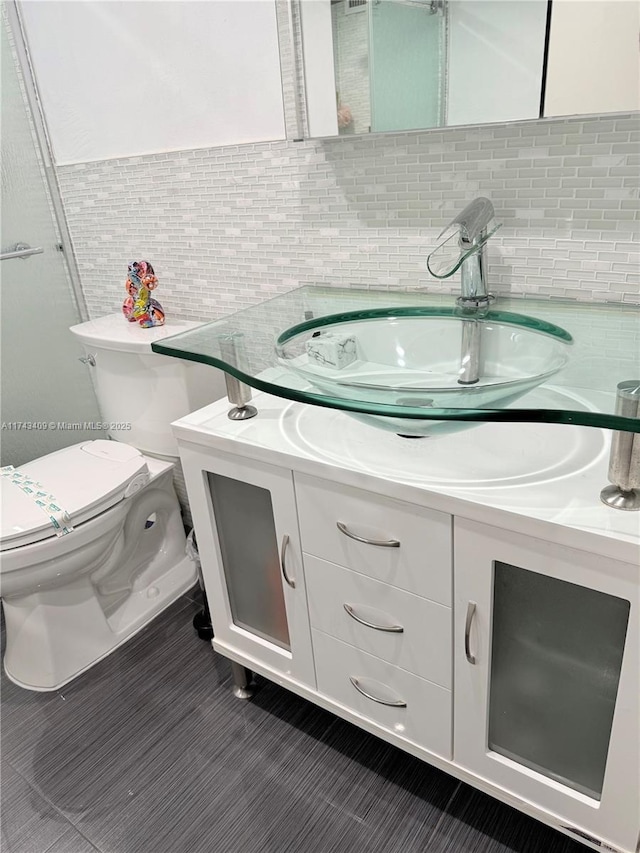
x=226 y=227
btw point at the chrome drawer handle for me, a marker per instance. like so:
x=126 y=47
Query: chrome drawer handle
x=383 y=543
x=283 y=553
x=397 y=704
x=392 y=629
x=471 y=612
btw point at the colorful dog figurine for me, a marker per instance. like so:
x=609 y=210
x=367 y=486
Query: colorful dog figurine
x=139 y=307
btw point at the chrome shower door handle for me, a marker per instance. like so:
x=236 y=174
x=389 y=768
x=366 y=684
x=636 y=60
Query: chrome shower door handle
x=471 y=612
x=283 y=561
x=21 y=250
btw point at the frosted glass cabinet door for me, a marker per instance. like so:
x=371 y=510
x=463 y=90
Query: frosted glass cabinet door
x=547 y=678
x=249 y=550
x=556 y=655
x=247 y=529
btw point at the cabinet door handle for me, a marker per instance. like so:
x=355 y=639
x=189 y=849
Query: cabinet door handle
x=283 y=554
x=471 y=612
x=392 y=629
x=398 y=703
x=382 y=543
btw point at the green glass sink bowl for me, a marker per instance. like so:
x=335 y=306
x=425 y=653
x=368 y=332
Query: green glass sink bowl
x=411 y=358
x=251 y=346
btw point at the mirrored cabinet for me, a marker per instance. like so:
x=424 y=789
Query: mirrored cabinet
x=391 y=65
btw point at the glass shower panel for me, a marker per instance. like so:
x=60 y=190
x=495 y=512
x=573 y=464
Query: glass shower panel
x=250 y=558
x=555 y=667
x=407 y=67
x=44 y=386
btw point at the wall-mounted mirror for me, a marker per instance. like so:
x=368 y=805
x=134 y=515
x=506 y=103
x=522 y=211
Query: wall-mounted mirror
x=392 y=65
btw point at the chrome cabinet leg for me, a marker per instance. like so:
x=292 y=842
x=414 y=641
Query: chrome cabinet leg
x=232 y=350
x=624 y=459
x=241 y=681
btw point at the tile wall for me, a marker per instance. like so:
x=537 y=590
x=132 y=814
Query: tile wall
x=227 y=227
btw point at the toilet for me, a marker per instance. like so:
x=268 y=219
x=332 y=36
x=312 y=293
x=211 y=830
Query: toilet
x=92 y=543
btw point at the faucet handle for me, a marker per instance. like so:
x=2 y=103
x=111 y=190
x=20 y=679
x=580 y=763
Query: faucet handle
x=475 y=220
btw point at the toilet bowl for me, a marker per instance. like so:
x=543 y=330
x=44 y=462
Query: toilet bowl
x=92 y=543
x=72 y=598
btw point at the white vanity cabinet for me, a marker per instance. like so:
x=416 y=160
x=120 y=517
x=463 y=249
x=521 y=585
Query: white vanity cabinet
x=547 y=663
x=496 y=644
x=246 y=524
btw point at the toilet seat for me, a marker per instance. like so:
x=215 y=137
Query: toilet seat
x=85 y=479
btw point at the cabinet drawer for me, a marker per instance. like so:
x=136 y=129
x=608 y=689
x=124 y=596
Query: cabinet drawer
x=420 y=564
x=423 y=647
x=425 y=718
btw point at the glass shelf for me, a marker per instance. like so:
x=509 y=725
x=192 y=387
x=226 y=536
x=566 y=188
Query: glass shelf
x=266 y=346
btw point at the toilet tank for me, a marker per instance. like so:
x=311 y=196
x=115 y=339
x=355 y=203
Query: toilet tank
x=141 y=392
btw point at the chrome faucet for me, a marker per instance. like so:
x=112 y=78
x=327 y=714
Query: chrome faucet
x=461 y=247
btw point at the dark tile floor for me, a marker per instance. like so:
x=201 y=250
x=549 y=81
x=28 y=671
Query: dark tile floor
x=149 y=752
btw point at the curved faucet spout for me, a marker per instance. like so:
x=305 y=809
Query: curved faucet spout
x=461 y=246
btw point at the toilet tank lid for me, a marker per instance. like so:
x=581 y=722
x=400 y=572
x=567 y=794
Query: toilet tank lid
x=85 y=480
x=113 y=332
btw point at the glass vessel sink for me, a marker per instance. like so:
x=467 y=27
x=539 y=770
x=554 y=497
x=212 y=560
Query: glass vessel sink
x=410 y=354
x=414 y=358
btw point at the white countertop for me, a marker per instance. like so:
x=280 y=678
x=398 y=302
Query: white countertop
x=540 y=480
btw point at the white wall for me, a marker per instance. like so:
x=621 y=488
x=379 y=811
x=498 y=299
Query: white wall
x=593 y=57
x=495 y=60
x=124 y=77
